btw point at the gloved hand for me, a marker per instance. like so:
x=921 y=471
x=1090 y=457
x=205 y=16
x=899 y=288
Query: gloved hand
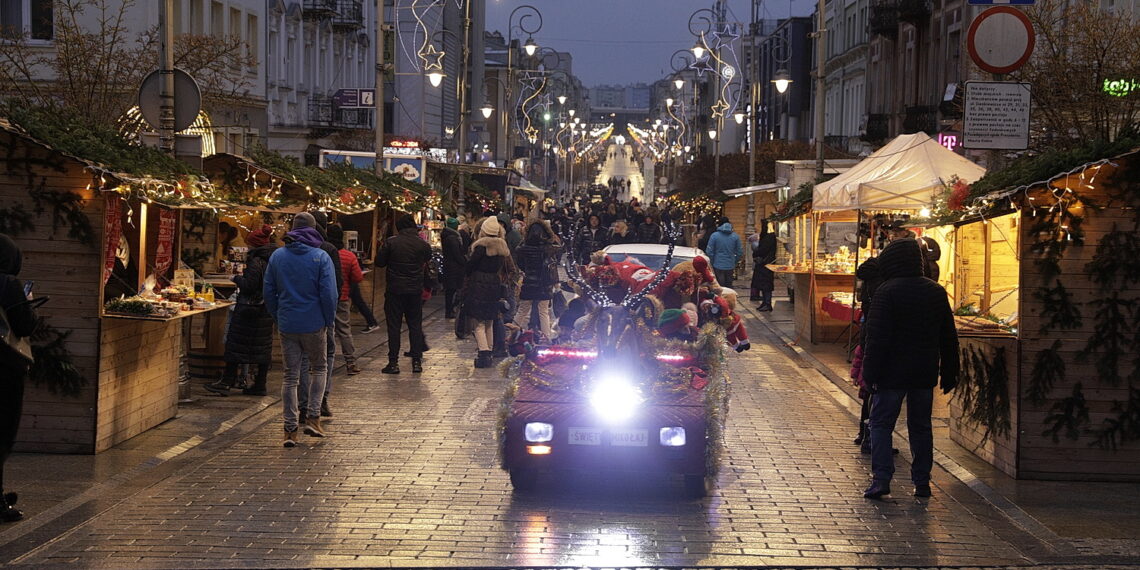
x=948 y=383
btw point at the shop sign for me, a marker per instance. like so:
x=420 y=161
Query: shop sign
x=112 y=229
x=164 y=252
x=950 y=139
x=1120 y=87
x=996 y=115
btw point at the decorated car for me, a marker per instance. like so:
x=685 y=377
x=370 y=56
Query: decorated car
x=641 y=387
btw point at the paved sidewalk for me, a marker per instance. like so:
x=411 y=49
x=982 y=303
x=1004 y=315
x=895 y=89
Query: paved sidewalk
x=408 y=478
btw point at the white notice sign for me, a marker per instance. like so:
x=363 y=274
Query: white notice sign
x=996 y=115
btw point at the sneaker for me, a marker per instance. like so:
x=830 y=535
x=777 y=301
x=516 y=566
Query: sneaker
x=877 y=489
x=922 y=490
x=313 y=427
x=351 y=369
x=8 y=510
x=325 y=411
x=369 y=329
x=393 y=367
x=255 y=391
x=417 y=365
x=220 y=388
x=290 y=438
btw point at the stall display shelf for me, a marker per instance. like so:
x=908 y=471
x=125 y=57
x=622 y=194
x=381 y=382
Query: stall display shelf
x=181 y=314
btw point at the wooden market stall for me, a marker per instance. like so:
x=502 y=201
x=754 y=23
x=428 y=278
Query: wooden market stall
x=100 y=378
x=1051 y=386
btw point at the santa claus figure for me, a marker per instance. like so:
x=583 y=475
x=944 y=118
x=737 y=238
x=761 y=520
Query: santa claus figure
x=715 y=308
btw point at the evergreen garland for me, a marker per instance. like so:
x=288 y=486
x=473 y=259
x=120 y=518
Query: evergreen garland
x=1058 y=307
x=1048 y=370
x=15 y=221
x=1111 y=337
x=53 y=365
x=66 y=209
x=1069 y=415
x=985 y=393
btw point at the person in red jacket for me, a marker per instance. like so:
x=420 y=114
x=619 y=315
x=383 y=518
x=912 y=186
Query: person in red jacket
x=350 y=267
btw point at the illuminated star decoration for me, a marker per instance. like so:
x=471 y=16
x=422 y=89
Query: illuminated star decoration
x=725 y=36
x=432 y=58
x=719 y=108
x=702 y=66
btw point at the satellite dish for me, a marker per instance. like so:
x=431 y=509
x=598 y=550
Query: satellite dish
x=187 y=99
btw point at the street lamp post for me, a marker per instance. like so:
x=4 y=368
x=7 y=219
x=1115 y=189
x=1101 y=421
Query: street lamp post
x=529 y=21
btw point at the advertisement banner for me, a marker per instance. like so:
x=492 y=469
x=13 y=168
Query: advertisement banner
x=112 y=231
x=164 y=251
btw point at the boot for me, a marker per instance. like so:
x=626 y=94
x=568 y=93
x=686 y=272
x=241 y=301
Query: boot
x=877 y=489
x=290 y=438
x=221 y=387
x=325 y=411
x=393 y=367
x=417 y=365
x=483 y=360
x=313 y=427
x=8 y=510
x=351 y=369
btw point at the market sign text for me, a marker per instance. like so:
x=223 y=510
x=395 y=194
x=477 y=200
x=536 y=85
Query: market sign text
x=1120 y=87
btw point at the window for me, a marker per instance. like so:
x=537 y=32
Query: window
x=252 y=40
x=217 y=20
x=31 y=17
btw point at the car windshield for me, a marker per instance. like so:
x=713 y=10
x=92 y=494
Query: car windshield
x=650 y=260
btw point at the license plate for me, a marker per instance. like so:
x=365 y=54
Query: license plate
x=585 y=436
x=617 y=437
x=629 y=438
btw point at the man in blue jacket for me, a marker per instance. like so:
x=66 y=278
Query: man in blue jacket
x=724 y=250
x=301 y=293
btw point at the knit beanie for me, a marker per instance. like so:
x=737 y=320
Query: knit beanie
x=490 y=228
x=304 y=220
x=259 y=237
x=405 y=222
x=336 y=235
x=452 y=223
x=671 y=321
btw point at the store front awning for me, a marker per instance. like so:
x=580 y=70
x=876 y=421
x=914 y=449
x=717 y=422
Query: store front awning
x=526 y=186
x=747 y=190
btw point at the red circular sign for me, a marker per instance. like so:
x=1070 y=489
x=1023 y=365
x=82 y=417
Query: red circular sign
x=1000 y=39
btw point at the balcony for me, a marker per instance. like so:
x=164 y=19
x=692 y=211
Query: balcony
x=320 y=110
x=884 y=19
x=878 y=128
x=921 y=118
x=349 y=15
x=352 y=118
x=916 y=12
x=318 y=9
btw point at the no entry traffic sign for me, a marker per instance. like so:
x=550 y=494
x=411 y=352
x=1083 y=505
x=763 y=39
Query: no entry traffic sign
x=1000 y=39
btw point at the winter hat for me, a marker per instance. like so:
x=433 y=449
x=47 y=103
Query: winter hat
x=336 y=235
x=405 y=222
x=452 y=223
x=259 y=237
x=490 y=228
x=304 y=220
x=901 y=258
x=321 y=218
x=671 y=321
x=691 y=310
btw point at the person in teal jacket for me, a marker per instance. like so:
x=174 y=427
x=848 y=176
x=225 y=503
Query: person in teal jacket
x=300 y=292
x=724 y=251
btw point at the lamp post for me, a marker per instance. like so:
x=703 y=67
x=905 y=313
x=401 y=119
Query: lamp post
x=529 y=21
x=702 y=24
x=435 y=76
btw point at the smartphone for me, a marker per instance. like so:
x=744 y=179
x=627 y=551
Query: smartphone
x=28 y=288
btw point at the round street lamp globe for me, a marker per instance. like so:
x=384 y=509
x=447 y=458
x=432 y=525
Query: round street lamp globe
x=698 y=50
x=435 y=78
x=669 y=102
x=712 y=134
x=487 y=110
x=530 y=47
x=561 y=99
x=678 y=83
x=739 y=117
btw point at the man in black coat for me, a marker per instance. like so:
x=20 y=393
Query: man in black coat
x=911 y=343
x=405 y=256
x=763 y=279
x=22 y=321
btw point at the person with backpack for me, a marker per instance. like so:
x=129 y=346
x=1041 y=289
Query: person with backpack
x=537 y=259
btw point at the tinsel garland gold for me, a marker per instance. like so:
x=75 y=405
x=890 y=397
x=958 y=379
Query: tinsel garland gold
x=708 y=351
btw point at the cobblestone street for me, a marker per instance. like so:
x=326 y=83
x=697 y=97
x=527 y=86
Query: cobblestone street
x=408 y=477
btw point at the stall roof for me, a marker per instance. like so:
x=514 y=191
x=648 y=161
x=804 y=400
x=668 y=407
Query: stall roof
x=527 y=186
x=747 y=190
x=903 y=175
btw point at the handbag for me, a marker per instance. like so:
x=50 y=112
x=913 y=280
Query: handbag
x=19 y=346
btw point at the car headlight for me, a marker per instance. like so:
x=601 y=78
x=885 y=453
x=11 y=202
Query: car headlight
x=615 y=399
x=538 y=432
x=672 y=436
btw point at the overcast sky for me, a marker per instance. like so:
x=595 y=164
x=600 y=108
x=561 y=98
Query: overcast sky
x=623 y=41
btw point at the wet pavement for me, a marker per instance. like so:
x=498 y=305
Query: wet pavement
x=408 y=477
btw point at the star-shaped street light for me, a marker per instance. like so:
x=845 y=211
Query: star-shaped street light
x=725 y=35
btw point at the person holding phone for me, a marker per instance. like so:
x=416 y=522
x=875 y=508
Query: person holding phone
x=21 y=320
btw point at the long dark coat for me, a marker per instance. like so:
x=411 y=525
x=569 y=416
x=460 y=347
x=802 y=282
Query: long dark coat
x=485 y=285
x=250 y=336
x=454 y=259
x=762 y=278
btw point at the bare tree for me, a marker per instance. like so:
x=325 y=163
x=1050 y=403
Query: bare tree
x=1084 y=72
x=95 y=62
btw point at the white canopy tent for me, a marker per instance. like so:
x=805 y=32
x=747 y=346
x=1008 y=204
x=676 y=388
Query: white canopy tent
x=905 y=174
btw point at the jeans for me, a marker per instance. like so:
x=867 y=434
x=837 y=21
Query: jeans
x=295 y=350
x=330 y=357
x=723 y=276
x=344 y=332
x=357 y=299
x=400 y=308
x=885 y=408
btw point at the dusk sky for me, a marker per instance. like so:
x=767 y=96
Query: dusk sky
x=623 y=41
